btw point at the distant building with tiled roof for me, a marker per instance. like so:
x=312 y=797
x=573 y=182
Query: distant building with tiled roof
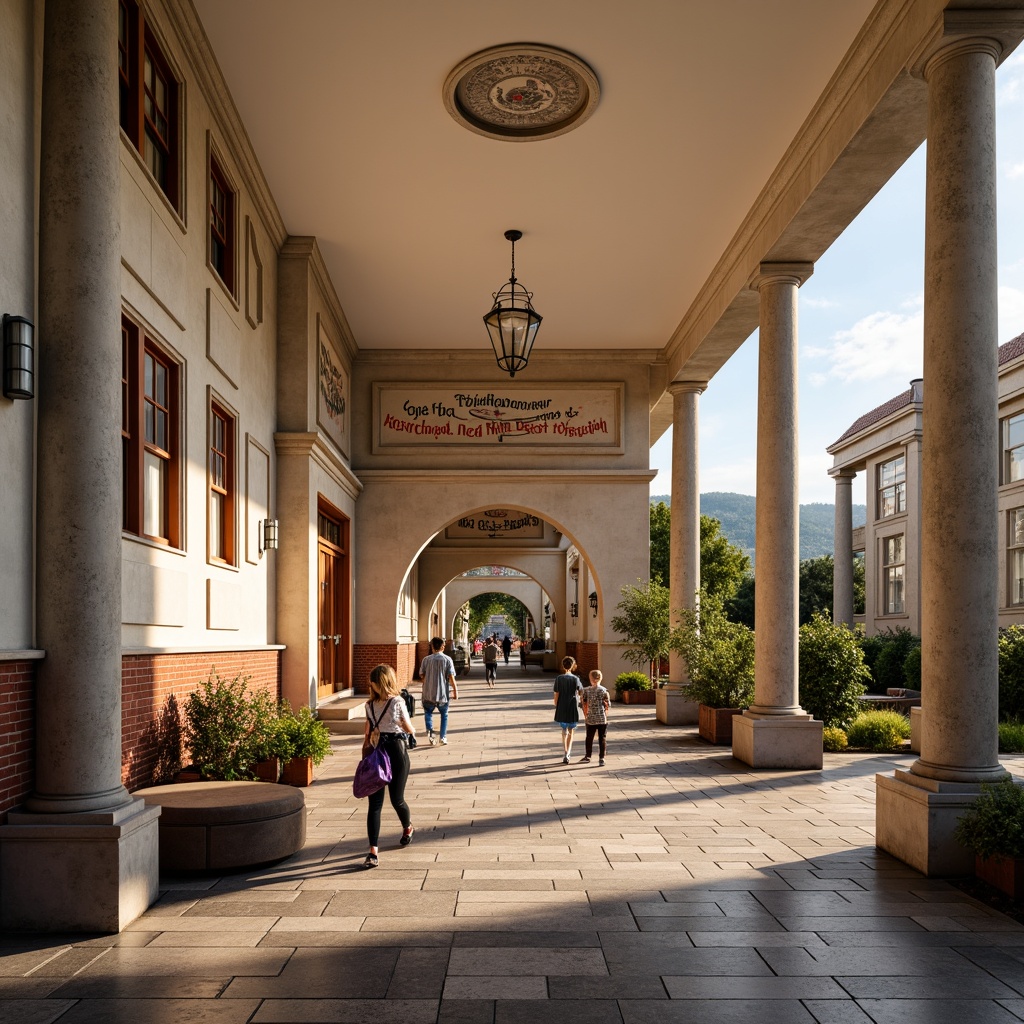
x=884 y=447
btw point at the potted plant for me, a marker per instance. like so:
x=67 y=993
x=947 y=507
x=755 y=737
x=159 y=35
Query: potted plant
x=634 y=688
x=269 y=741
x=993 y=829
x=309 y=742
x=719 y=657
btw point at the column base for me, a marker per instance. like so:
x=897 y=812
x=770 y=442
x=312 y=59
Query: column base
x=673 y=706
x=93 y=872
x=791 y=741
x=915 y=818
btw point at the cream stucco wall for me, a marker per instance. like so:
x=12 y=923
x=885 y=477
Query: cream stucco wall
x=225 y=342
x=20 y=62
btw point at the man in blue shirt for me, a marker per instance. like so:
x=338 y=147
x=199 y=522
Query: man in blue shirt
x=438 y=674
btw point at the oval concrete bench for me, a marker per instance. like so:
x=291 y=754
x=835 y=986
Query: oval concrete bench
x=219 y=825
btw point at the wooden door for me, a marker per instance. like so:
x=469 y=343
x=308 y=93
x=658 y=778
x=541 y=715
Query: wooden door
x=335 y=648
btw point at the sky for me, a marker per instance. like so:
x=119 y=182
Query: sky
x=860 y=322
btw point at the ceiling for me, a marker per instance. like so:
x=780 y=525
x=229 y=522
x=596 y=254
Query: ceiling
x=623 y=219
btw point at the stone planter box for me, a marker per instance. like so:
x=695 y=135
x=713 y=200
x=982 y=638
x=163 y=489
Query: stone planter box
x=1005 y=873
x=639 y=696
x=715 y=724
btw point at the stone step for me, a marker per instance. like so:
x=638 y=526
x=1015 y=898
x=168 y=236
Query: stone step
x=343 y=715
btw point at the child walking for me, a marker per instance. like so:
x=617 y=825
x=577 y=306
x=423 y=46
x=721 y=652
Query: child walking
x=567 y=707
x=596 y=701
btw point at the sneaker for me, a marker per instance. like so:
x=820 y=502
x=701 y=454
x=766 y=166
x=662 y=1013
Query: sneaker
x=432 y=738
x=600 y=764
x=444 y=741
x=584 y=760
x=565 y=760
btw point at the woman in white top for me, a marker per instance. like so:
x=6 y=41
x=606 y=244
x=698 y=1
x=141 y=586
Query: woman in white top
x=386 y=711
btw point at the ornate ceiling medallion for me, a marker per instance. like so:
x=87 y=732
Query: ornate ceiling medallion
x=521 y=92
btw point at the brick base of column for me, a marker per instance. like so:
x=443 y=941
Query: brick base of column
x=401 y=657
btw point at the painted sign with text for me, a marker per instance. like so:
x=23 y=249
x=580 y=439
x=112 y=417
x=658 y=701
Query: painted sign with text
x=497 y=522
x=571 y=417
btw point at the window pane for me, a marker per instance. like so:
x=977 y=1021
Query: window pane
x=150 y=424
x=1014 y=431
x=217 y=525
x=1017 y=527
x=887 y=503
x=154 y=496
x=901 y=497
x=1016 y=464
x=1018 y=577
x=161 y=430
x=217 y=470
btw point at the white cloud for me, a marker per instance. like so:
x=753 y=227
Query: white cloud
x=821 y=303
x=882 y=346
x=1015 y=171
x=1011 y=312
x=815 y=483
x=739 y=476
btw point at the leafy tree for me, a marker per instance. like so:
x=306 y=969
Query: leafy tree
x=483 y=606
x=644 y=623
x=740 y=607
x=832 y=671
x=722 y=565
x=1011 y=672
x=661 y=541
x=889 y=667
x=815 y=587
x=719 y=655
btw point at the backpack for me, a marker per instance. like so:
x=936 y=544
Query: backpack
x=410 y=702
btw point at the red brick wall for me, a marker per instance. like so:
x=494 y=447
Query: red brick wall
x=422 y=650
x=401 y=657
x=151 y=720
x=588 y=656
x=17 y=733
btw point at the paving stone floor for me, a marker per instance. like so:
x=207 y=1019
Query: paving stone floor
x=673 y=885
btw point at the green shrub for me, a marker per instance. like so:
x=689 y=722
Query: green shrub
x=879 y=731
x=871 y=647
x=632 y=681
x=1011 y=737
x=833 y=739
x=912 y=669
x=888 y=670
x=832 y=671
x=994 y=824
x=1011 y=672
x=221 y=721
x=305 y=734
x=719 y=656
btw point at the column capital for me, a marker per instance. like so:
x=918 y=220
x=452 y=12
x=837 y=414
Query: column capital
x=780 y=273
x=958 y=31
x=845 y=475
x=682 y=387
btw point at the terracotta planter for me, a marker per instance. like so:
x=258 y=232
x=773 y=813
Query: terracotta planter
x=269 y=770
x=715 y=724
x=298 y=772
x=639 y=696
x=1005 y=873
x=188 y=775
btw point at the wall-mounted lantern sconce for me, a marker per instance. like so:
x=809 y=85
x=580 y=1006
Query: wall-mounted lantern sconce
x=19 y=357
x=593 y=602
x=267 y=535
x=574 y=610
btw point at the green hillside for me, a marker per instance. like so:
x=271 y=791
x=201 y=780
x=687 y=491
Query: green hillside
x=736 y=513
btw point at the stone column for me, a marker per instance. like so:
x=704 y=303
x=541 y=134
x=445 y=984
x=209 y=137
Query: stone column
x=842 y=561
x=82 y=854
x=684 y=552
x=916 y=811
x=775 y=732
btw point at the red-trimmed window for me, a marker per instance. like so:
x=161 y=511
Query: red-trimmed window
x=222 y=226
x=222 y=485
x=149 y=98
x=149 y=438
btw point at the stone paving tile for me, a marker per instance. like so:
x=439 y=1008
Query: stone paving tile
x=675 y=885
x=936 y=1011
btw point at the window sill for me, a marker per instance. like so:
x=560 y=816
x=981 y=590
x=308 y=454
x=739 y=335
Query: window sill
x=156 y=545
x=219 y=563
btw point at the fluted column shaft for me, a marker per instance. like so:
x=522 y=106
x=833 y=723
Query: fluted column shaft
x=842 y=561
x=959 y=478
x=778 y=511
x=78 y=699
x=684 y=549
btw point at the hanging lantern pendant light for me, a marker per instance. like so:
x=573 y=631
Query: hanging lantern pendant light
x=512 y=323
